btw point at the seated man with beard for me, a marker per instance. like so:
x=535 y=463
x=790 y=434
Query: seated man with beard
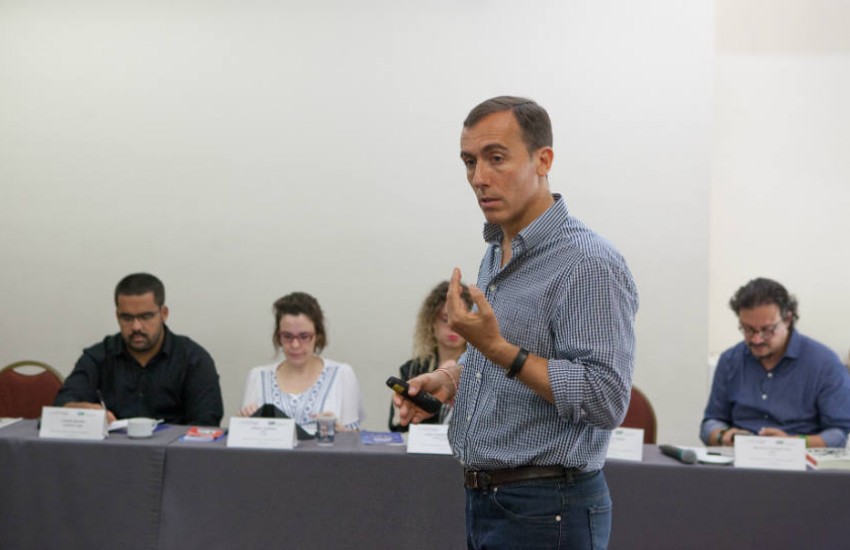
x=145 y=370
x=777 y=382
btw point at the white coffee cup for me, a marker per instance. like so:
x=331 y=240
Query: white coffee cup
x=141 y=427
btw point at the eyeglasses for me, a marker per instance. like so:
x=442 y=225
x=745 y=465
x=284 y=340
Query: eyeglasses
x=766 y=332
x=128 y=318
x=302 y=337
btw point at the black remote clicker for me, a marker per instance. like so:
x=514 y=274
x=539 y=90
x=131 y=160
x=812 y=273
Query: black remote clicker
x=423 y=400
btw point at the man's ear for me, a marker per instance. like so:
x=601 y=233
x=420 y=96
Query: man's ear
x=164 y=313
x=543 y=159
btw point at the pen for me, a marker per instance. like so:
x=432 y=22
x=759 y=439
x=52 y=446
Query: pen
x=105 y=412
x=100 y=398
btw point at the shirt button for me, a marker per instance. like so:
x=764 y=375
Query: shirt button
x=478 y=375
x=765 y=417
x=492 y=287
x=469 y=418
x=770 y=375
x=764 y=397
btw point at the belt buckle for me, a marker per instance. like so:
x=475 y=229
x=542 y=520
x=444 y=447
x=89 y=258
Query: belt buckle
x=475 y=479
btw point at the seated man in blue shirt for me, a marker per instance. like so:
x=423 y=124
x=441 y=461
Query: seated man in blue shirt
x=145 y=370
x=776 y=382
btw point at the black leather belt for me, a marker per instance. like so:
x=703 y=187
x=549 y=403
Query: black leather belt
x=484 y=479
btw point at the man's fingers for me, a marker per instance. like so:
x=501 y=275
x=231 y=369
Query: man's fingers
x=407 y=411
x=453 y=299
x=480 y=300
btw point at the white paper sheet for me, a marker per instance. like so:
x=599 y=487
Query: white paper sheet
x=429 y=439
x=8 y=421
x=714 y=455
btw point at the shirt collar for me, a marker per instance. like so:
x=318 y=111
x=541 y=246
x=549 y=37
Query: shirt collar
x=795 y=342
x=538 y=230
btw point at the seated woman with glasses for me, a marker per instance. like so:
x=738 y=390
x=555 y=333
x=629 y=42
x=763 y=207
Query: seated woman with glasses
x=304 y=384
x=433 y=344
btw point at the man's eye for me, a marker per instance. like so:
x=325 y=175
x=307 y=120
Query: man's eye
x=497 y=158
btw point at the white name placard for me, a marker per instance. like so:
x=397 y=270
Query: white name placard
x=626 y=444
x=770 y=453
x=262 y=433
x=68 y=423
x=429 y=439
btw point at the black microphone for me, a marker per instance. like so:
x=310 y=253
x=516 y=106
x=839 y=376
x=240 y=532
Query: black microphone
x=688 y=456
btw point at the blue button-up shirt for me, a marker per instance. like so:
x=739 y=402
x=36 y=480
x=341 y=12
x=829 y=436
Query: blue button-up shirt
x=566 y=295
x=806 y=393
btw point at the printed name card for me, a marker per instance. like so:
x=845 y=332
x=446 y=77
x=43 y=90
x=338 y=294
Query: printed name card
x=68 y=423
x=770 y=453
x=626 y=444
x=262 y=433
x=429 y=439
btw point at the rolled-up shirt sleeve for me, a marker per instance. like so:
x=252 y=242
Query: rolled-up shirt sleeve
x=591 y=372
x=834 y=406
x=718 y=411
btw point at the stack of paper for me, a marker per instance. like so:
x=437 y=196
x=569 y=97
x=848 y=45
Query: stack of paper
x=831 y=458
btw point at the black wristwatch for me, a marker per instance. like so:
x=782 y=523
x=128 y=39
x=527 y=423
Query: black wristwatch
x=519 y=362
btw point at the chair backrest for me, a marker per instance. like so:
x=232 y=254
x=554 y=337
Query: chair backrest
x=27 y=386
x=641 y=415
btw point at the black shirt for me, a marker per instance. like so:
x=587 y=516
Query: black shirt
x=179 y=384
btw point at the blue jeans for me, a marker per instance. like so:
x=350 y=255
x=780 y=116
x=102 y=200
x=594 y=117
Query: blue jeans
x=547 y=513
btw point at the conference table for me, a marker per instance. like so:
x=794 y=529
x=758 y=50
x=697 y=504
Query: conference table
x=661 y=503
x=164 y=493
x=80 y=494
x=347 y=496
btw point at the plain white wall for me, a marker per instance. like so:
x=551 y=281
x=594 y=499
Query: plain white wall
x=781 y=179
x=241 y=151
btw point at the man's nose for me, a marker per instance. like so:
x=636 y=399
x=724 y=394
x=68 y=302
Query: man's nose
x=478 y=175
x=137 y=323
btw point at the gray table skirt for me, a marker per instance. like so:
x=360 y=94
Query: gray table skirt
x=167 y=494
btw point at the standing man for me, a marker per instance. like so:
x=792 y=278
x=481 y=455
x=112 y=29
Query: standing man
x=145 y=370
x=549 y=368
x=777 y=382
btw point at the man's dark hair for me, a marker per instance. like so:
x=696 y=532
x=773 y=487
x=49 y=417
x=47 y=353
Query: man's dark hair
x=137 y=284
x=531 y=117
x=299 y=303
x=763 y=292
